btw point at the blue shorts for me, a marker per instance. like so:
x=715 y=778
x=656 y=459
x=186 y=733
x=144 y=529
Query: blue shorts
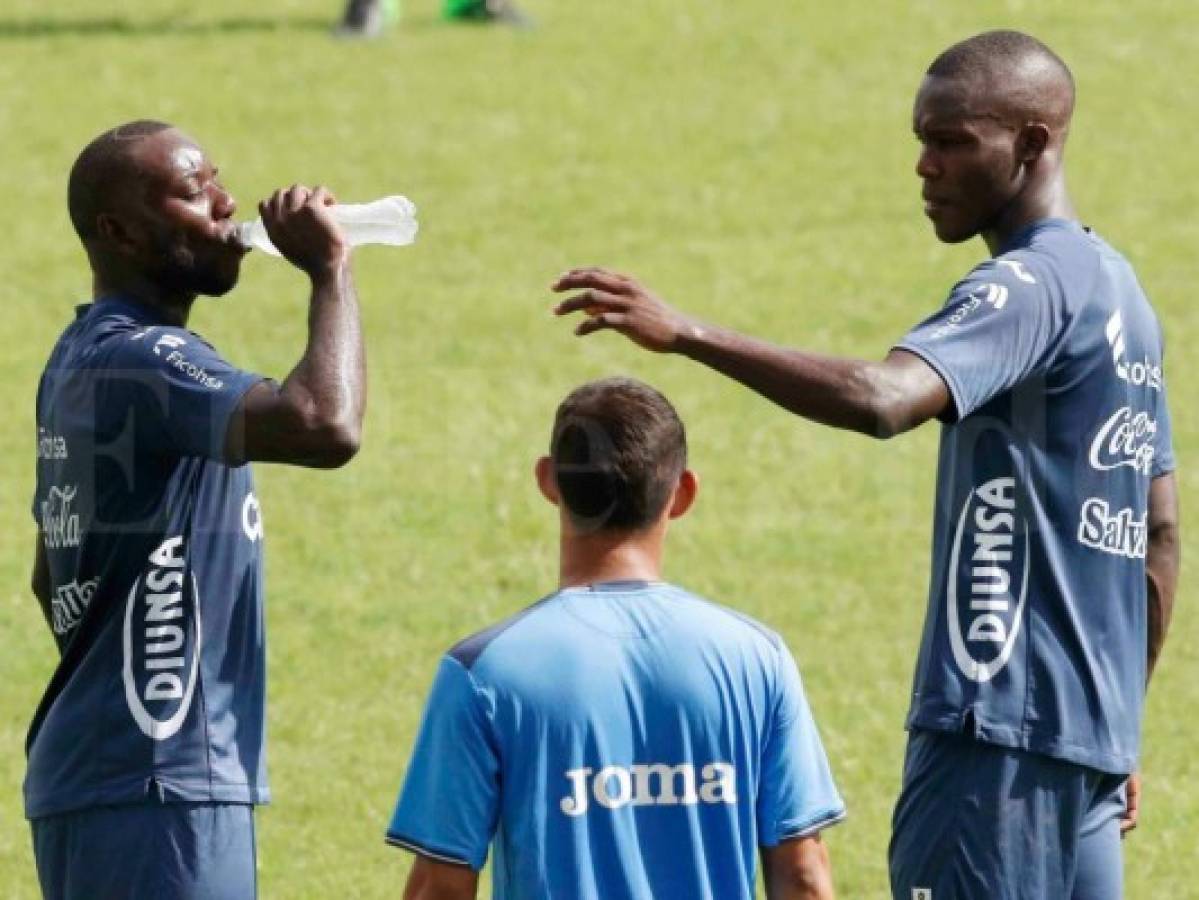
x=976 y=821
x=167 y=851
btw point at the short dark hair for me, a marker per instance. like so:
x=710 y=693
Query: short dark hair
x=101 y=170
x=618 y=448
x=997 y=57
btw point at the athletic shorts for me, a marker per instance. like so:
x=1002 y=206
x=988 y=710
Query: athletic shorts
x=976 y=821
x=164 y=851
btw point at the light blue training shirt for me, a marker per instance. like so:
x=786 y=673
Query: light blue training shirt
x=626 y=739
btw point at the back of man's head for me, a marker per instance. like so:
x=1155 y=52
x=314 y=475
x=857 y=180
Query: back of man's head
x=618 y=448
x=106 y=167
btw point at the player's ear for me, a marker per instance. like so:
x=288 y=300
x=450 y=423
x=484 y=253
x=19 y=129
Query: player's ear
x=546 y=482
x=684 y=494
x=113 y=230
x=1032 y=141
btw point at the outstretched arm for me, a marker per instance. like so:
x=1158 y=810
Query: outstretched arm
x=798 y=869
x=431 y=880
x=879 y=399
x=314 y=418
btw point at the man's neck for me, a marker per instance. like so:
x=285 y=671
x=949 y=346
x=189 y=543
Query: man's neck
x=1050 y=201
x=594 y=559
x=172 y=309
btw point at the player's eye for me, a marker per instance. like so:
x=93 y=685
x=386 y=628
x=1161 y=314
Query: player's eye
x=196 y=192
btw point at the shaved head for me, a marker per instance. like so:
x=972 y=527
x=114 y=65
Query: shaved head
x=1011 y=76
x=992 y=115
x=146 y=203
x=107 y=167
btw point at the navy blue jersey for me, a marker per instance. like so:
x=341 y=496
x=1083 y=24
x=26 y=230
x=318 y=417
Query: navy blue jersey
x=155 y=554
x=1036 y=630
x=623 y=740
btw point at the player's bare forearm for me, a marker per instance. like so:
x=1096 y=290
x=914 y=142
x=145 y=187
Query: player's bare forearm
x=330 y=378
x=798 y=870
x=328 y=385
x=1162 y=562
x=880 y=399
x=315 y=417
x=876 y=399
x=431 y=880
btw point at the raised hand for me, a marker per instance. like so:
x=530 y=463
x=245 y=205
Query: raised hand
x=299 y=223
x=619 y=302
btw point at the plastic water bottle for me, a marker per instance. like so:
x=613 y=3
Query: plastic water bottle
x=391 y=220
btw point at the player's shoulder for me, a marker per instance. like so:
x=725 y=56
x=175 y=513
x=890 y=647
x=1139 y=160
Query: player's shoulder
x=147 y=346
x=1012 y=273
x=1040 y=257
x=730 y=622
x=541 y=624
x=1052 y=259
x=468 y=650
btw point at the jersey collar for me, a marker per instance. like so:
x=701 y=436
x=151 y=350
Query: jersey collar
x=1024 y=236
x=115 y=305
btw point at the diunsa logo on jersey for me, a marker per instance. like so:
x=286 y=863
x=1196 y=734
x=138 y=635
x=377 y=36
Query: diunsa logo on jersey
x=161 y=642
x=988 y=580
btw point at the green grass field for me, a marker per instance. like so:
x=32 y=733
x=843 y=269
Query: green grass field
x=753 y=162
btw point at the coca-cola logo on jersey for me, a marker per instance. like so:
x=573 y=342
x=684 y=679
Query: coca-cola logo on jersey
x=989 y=564
x=161 y=641
x=1125 y=439
x=60 y=522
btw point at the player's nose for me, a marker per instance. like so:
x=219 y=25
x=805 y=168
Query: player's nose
x=926 y=165
x=223 y=204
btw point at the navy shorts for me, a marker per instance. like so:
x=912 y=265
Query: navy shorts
x=976 y=821
x=165 y=851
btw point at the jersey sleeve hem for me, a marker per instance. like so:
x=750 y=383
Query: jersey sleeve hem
x=1165 y=467
x=420 y=849
x=956 y=394
x=789 y=831
x=249 y=380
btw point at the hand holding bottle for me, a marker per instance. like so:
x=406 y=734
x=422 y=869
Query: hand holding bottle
x=390 y=220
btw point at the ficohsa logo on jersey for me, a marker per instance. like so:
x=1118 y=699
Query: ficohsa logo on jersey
x=988 y=580
x=161 y=642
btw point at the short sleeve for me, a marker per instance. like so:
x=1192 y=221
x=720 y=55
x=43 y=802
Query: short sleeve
x=178 y=391
x=796 y=795
x=994 y=332
x=449 y=804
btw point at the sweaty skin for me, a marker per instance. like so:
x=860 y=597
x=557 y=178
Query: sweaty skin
x=315 y=417
x=172 y=238
x=167 y=236
x=990 y=164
